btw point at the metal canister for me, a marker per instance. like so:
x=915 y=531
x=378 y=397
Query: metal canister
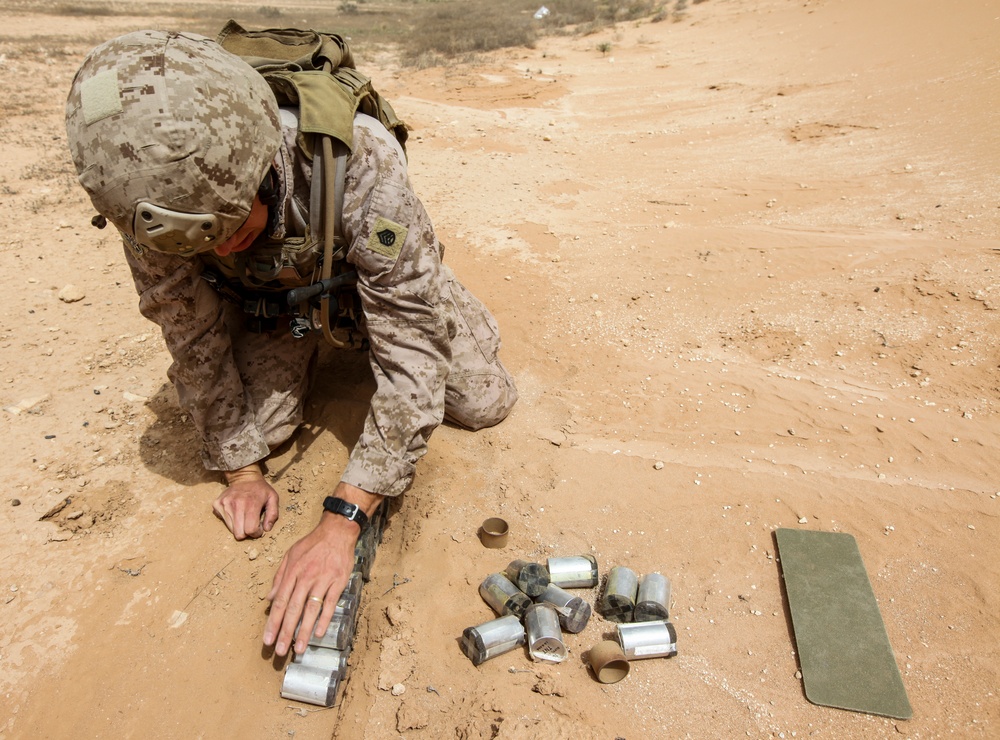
x=503 y=596
x=531 y=578
x=310 y=685
x=574 y=612
x=338 y=636
x=492 y=638
x=648 y=640
x=354 y=584
x=618 y=602
x=347 y=606
x=653 y=600
x=573 y=572
x=379 y=520
x=364 y=552
x=342 y=624
x=323 y=658
x=545 y=642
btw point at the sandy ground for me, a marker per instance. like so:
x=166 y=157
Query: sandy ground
x=758 y=244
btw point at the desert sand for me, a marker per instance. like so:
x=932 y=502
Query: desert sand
x=744 y=263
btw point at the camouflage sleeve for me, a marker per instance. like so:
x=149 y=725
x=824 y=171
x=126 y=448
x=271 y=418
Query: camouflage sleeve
x=401 y=285
x=190 y=315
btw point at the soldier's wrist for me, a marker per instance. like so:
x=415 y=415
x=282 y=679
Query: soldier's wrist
x=247 y=472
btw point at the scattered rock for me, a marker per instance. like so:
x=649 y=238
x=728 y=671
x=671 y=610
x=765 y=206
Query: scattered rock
x=134 y=397
x=177 y=619
x=55 y=509
x=547 y=686
x=15 y=502
x=26 y=404
x=71 y=294
x=410 y=717
x=395 y=663
x=553 y=436
x=395 y=614
x=658 y=465
x=398 y=689
x=252 y=553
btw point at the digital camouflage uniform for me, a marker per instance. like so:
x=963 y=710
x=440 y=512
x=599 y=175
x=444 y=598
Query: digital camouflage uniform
x=433 y=345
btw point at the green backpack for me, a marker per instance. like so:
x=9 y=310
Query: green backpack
x=315 y=71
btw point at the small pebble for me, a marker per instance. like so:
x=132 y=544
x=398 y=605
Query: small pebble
x=15 y=502
x=658 y=465
x=398 y=689
x=50 y=436
x=71 y=294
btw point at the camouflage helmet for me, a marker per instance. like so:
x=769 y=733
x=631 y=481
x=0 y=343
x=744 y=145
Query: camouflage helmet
x=171 y=136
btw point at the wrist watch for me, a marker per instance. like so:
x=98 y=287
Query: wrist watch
x=347 y=510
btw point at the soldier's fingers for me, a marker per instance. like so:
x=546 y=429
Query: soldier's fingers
x=220 y=511
x=270 y=511
x=237 y=514
x=278 y=598
x=310 y=611
x=290 y=620
x=329 y=607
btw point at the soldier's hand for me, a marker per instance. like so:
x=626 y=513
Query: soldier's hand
x=249 y=506
x=309 y=581
x=313 y=575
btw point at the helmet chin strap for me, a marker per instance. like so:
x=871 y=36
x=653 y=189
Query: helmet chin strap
x=270 y=189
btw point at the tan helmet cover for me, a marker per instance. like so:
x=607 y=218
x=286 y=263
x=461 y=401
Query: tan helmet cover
x=171 y=136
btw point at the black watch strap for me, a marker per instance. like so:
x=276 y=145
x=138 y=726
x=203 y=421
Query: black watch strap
x=347 y=510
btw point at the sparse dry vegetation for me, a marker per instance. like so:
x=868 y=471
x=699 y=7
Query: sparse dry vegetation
x=427 y=32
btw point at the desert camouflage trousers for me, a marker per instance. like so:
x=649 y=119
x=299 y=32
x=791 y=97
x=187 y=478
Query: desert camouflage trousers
x=277 y=369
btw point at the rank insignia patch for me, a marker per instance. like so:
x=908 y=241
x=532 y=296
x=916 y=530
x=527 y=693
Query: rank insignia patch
x=387 y=238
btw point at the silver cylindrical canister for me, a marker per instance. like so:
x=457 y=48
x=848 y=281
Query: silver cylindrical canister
x=573 y=572
x=503 y=596
x=492 y=638
x=338 y=636
x=310 y=685
x=326 y=659
x=648 y=640
x=618 y=602
x=652 y=603
x=364 y=553
x=574 y=612
x=340 y=633
x=347 y=606
x=545 y=643
x=531 y=578
x=354 y=584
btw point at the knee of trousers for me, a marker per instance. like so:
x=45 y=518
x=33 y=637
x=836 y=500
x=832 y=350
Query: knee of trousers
x=480 y=400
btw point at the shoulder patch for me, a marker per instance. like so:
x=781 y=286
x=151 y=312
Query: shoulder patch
x=387 y=238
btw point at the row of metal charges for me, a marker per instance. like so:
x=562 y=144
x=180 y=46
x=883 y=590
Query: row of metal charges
x=315 y=675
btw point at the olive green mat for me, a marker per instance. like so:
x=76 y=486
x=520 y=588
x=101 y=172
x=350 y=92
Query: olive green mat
x=843 y=649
